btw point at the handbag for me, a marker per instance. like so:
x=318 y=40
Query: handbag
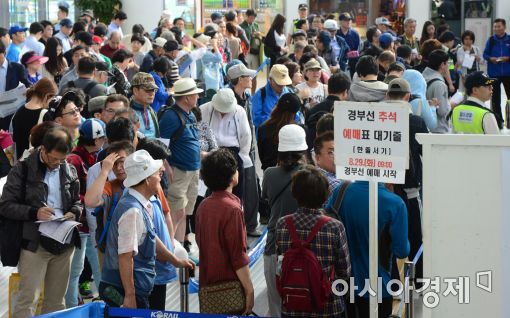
x=222 y=298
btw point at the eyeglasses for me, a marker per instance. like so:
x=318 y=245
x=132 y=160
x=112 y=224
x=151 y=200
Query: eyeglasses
x=72 y=112
x=53 y=160
x=109 y=110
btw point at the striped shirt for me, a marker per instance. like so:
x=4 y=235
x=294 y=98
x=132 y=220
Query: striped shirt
x=330 y=247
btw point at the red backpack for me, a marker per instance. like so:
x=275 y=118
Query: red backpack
x=302 y=284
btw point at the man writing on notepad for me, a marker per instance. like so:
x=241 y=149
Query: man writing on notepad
x=40 y=188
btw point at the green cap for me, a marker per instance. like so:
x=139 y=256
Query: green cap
x=144 y=80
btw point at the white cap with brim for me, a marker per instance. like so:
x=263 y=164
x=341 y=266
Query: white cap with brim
x=224 y=101
x=139 y=166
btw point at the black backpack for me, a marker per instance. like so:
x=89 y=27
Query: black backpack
x=179 y=113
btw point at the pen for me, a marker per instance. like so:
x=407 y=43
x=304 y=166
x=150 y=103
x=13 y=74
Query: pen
x=44 y=203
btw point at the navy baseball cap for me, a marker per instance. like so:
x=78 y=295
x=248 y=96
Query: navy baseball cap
x=66 y=22
x=16 y=28
x=93 y=128
x=215 y=16
x=385 y=39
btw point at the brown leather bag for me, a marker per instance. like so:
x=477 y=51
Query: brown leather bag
x=222 y=298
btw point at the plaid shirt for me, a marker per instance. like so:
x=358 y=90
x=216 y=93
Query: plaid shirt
x=330 y=247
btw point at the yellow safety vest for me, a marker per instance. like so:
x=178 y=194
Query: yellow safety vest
x=468 y=119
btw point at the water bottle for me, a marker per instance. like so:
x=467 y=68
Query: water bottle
x=113 y=295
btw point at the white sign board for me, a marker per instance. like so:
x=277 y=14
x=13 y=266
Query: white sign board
x=372 y=141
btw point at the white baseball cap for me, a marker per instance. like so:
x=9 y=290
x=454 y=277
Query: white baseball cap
x=383 y=20
x=139 y=166
x=292 y=138
x=224 y=101
x=159 y=42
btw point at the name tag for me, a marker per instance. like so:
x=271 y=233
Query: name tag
x=466 y=116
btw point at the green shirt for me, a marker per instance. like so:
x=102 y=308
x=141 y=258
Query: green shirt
x=249 y=29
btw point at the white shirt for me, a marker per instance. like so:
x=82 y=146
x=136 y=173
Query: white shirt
x=231 y=130
x=113 y=27
x=132 y=230
x=490 y=125
x=3 y=75
x=195 y=55
x=54 y=200
x=31 y=44
x=280 y=39
x=317 y=94
x=66 y=41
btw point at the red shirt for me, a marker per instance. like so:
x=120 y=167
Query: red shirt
x=221 y=237
x=106 y=50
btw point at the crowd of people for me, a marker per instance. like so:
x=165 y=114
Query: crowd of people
x=147 y=137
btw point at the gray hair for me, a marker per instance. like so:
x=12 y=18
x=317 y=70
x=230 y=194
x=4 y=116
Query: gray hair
x=113 y=33
x=409 y=21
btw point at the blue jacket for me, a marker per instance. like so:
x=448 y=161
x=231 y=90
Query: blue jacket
x=420 y=104
x=354 y=213
x=497 y=47
x=342 y=56
x=161 y=94
x=261 y=112
x=16 y=73
x=352 y=38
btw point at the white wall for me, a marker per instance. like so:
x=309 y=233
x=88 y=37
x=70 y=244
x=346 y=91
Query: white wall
x=146 y=13
x=465 y=220
x=419 y=10
x=503 y=10
x=290 y=11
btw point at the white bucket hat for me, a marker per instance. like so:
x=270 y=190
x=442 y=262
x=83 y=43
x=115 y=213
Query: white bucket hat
x=224 y=101
x=292 y=138
x=186 y=86
x=139 y=166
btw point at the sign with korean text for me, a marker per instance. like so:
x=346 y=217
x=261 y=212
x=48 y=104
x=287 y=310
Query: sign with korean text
x=372 y=141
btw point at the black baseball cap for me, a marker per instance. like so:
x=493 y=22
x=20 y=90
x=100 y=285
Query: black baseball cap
x=478 y=79
x=303 y=6
x=172 y=45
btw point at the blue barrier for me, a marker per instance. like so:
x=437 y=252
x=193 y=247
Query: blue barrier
x=266 y=62
x=97 y=310
x=418 y=255
x=254 y=255
x=92 y=310
x=145 y=313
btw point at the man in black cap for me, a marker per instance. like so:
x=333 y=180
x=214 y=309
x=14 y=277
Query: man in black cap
x=82 y=38
x=472 y=116
x=352 y=38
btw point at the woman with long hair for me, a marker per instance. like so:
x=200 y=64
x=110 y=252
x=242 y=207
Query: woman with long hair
x=57 y=64
x=283 y=114
x=32 y=113
x=428 y=32
x=276 y=40
x=233 y=41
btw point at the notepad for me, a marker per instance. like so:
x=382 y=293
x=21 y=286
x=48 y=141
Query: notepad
x=59 y=231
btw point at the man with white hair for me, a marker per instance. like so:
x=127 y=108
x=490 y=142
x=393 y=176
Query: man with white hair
x=112 y=45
